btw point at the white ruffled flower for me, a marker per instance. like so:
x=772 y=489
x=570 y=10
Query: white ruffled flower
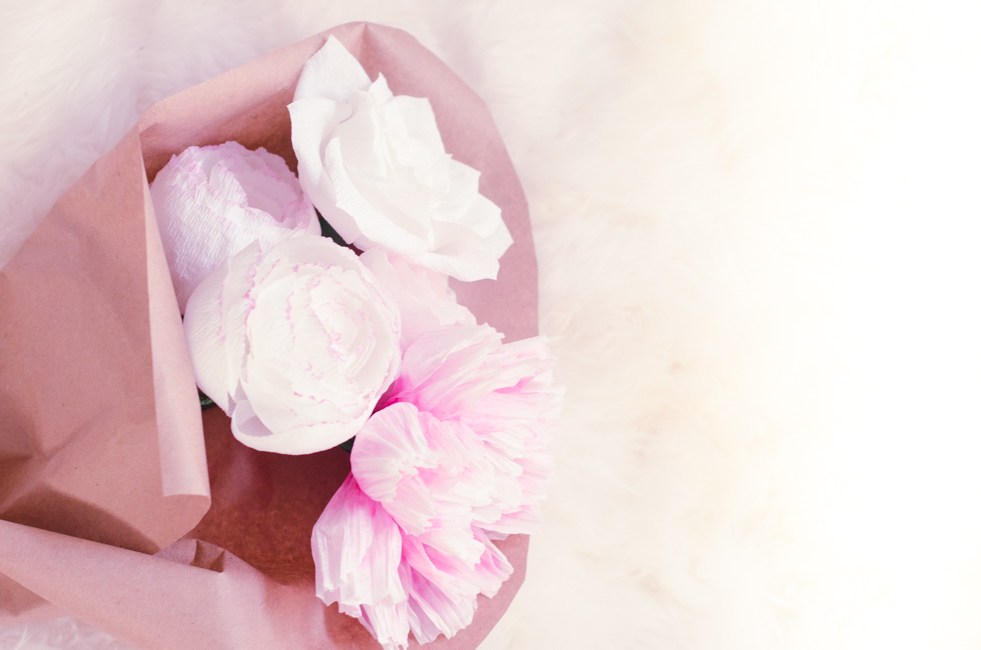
x=211 y=202
x=375 y=167
x=296 y=344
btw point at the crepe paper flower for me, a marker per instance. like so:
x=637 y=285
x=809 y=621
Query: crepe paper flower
x=374 y=165
x=424 y=297
x=296 y=344
x=455 y=457
x=211 y=202
x=394 y=582
x=462 y=438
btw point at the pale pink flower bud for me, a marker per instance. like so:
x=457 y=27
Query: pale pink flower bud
x=211 y=202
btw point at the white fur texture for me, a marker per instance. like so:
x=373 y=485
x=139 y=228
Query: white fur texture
x=758 y=229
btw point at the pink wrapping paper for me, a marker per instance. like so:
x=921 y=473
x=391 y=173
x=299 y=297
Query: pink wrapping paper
x=105 y=458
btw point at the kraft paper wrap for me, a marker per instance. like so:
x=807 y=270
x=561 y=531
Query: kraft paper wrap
x=105 y=456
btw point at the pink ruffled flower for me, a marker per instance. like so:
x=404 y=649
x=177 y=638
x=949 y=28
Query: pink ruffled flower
x=463 y=437
x=212 y=202
x=456 y=457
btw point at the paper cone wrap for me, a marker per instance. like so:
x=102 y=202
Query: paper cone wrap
x=105 y=455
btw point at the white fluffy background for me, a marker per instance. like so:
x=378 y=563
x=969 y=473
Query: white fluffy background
x=758 y=229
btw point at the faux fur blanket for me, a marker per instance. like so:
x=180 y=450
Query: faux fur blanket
x=758 y=228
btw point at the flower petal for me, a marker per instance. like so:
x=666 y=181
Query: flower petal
x=424 y=297
x=214 y=326
x=358 y=548
x=332 y=73
x=447 y=369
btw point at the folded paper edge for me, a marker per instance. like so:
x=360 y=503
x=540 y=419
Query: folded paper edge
x=183 y=464
x=70 y=573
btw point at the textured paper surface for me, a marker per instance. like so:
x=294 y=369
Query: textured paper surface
x=101 y=448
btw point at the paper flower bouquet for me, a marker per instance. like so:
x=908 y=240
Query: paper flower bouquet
x=270 y=370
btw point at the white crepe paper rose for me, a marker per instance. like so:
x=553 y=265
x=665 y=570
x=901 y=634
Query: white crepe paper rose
x=374 y=165
x=211 y=202
x=296 y=344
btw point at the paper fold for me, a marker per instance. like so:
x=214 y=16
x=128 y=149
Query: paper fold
x=195 y=595
x=183 y=467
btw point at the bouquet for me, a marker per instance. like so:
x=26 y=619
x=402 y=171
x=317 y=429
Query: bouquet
x=368 y=449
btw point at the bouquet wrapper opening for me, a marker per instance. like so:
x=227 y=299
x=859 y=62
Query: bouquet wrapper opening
x=121 y=502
